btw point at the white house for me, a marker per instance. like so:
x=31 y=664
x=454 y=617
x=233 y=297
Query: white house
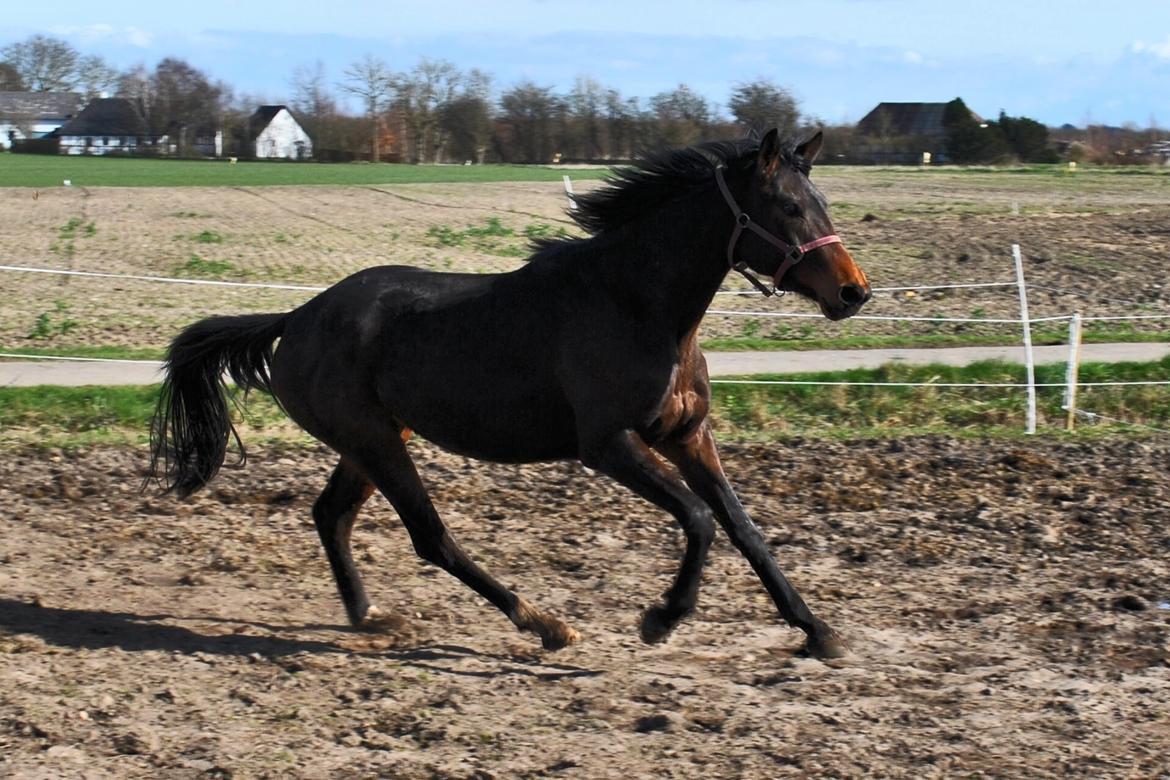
x=105 y=125
x=34 y=114
x=273 y=133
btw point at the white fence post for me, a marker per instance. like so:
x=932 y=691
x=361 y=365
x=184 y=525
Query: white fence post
x=1029 y=362
x=1073 y=371
x=569 y=192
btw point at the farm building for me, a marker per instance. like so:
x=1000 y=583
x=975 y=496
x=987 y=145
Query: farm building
x=25 y=115
x=106 y=125
x=273 y=133
x=899 y=133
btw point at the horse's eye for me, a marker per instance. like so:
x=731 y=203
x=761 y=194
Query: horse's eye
x=791 y=210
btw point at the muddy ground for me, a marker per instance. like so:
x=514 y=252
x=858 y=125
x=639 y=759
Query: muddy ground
x=1006 y=604
x=1094 y=243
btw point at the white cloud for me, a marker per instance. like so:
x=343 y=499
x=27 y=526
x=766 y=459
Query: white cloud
x=138 y=37
x=912 y=57
x=1159 y=50
x=91 y=33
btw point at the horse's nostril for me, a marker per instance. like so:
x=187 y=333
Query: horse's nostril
x=854 y=295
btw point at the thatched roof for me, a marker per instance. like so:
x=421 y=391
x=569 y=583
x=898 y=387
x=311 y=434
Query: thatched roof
x=39 y=105
x=106 y=116
x=901 y=119
x=261 y=118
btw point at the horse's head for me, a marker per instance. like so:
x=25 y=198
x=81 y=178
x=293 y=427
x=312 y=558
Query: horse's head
x=784 y=202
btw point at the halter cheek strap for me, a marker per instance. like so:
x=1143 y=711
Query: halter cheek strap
x=792 y=254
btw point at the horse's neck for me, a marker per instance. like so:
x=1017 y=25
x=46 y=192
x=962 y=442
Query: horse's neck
x=675 y=259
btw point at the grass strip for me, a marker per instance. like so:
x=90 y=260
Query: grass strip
x=69 y=416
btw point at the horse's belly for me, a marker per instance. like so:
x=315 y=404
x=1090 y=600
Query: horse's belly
x=509 y=415
x=509 y=434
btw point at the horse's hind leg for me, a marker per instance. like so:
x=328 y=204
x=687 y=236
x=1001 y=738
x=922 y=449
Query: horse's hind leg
x=334 y=513
x=392 y=470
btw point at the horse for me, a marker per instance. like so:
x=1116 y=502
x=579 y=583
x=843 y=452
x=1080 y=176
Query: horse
x=589 y=351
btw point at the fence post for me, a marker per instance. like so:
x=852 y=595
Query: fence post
x=569 y=192
x=1027 y=322
x=1073 y=371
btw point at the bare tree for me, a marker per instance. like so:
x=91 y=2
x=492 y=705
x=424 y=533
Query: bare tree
x=586 y=103
x=526 y=113
x=683 y=116
x=624 y=119
x=44 y=64
x=96 y=77
x=420 y=96
x=467 y=120
x=371 y=80
x=10 y=80
x=185 y=101
x=761 y=105
x=315 y=107
x=311 y=97
x=134 y=84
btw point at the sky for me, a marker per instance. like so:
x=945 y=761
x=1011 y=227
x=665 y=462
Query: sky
x=1072 y=61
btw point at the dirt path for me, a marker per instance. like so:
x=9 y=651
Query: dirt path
x=1007 y=604
x=76 y=374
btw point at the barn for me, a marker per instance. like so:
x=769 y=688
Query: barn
x=899 y=133
x=273 y=133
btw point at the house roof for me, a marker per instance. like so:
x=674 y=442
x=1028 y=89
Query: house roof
x=261 y=118
x=896 y=119
x=265 y=114
x=106 y=116
x=39 y=105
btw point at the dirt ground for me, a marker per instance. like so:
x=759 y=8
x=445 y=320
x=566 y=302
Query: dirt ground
x=1094 y=243
x=1007 y=605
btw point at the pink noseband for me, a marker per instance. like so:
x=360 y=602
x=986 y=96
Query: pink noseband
x=816 y=243
x=792 y=254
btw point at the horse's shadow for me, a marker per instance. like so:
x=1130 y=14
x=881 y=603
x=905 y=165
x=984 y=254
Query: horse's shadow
x=89 y=629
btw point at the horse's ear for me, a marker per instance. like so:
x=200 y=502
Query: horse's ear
x=811 y=148
x=768 y=161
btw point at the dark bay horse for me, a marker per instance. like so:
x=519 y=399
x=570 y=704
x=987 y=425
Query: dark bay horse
x=589 y=351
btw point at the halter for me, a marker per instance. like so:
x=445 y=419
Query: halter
x=792 y=254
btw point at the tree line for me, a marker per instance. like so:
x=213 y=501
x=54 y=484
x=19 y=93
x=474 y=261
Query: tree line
x=433 y=112
x=437 y=112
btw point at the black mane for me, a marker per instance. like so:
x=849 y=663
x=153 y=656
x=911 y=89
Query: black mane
x=658 y=177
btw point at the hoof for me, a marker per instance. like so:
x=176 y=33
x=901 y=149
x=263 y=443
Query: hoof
x=554 y=633
x=656 y=625
x=375 y=621
x=826 y=645
x=557 y=635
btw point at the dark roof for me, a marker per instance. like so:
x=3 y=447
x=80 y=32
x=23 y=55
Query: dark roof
x=106 y=116
x=896 y=119
x=39 y=105
x=261 y=118
x=263 y=115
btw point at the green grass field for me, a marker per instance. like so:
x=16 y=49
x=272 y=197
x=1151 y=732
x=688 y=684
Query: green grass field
x=42 y=171
x=36 y=170
x=72 y=416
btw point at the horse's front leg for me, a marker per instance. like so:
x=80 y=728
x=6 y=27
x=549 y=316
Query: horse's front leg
x=698 y=461
x=627 y=459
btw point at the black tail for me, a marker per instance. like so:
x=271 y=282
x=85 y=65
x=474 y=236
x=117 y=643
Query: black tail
x=192 y=425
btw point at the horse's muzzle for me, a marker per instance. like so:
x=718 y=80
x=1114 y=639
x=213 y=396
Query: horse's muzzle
x=850 y=299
